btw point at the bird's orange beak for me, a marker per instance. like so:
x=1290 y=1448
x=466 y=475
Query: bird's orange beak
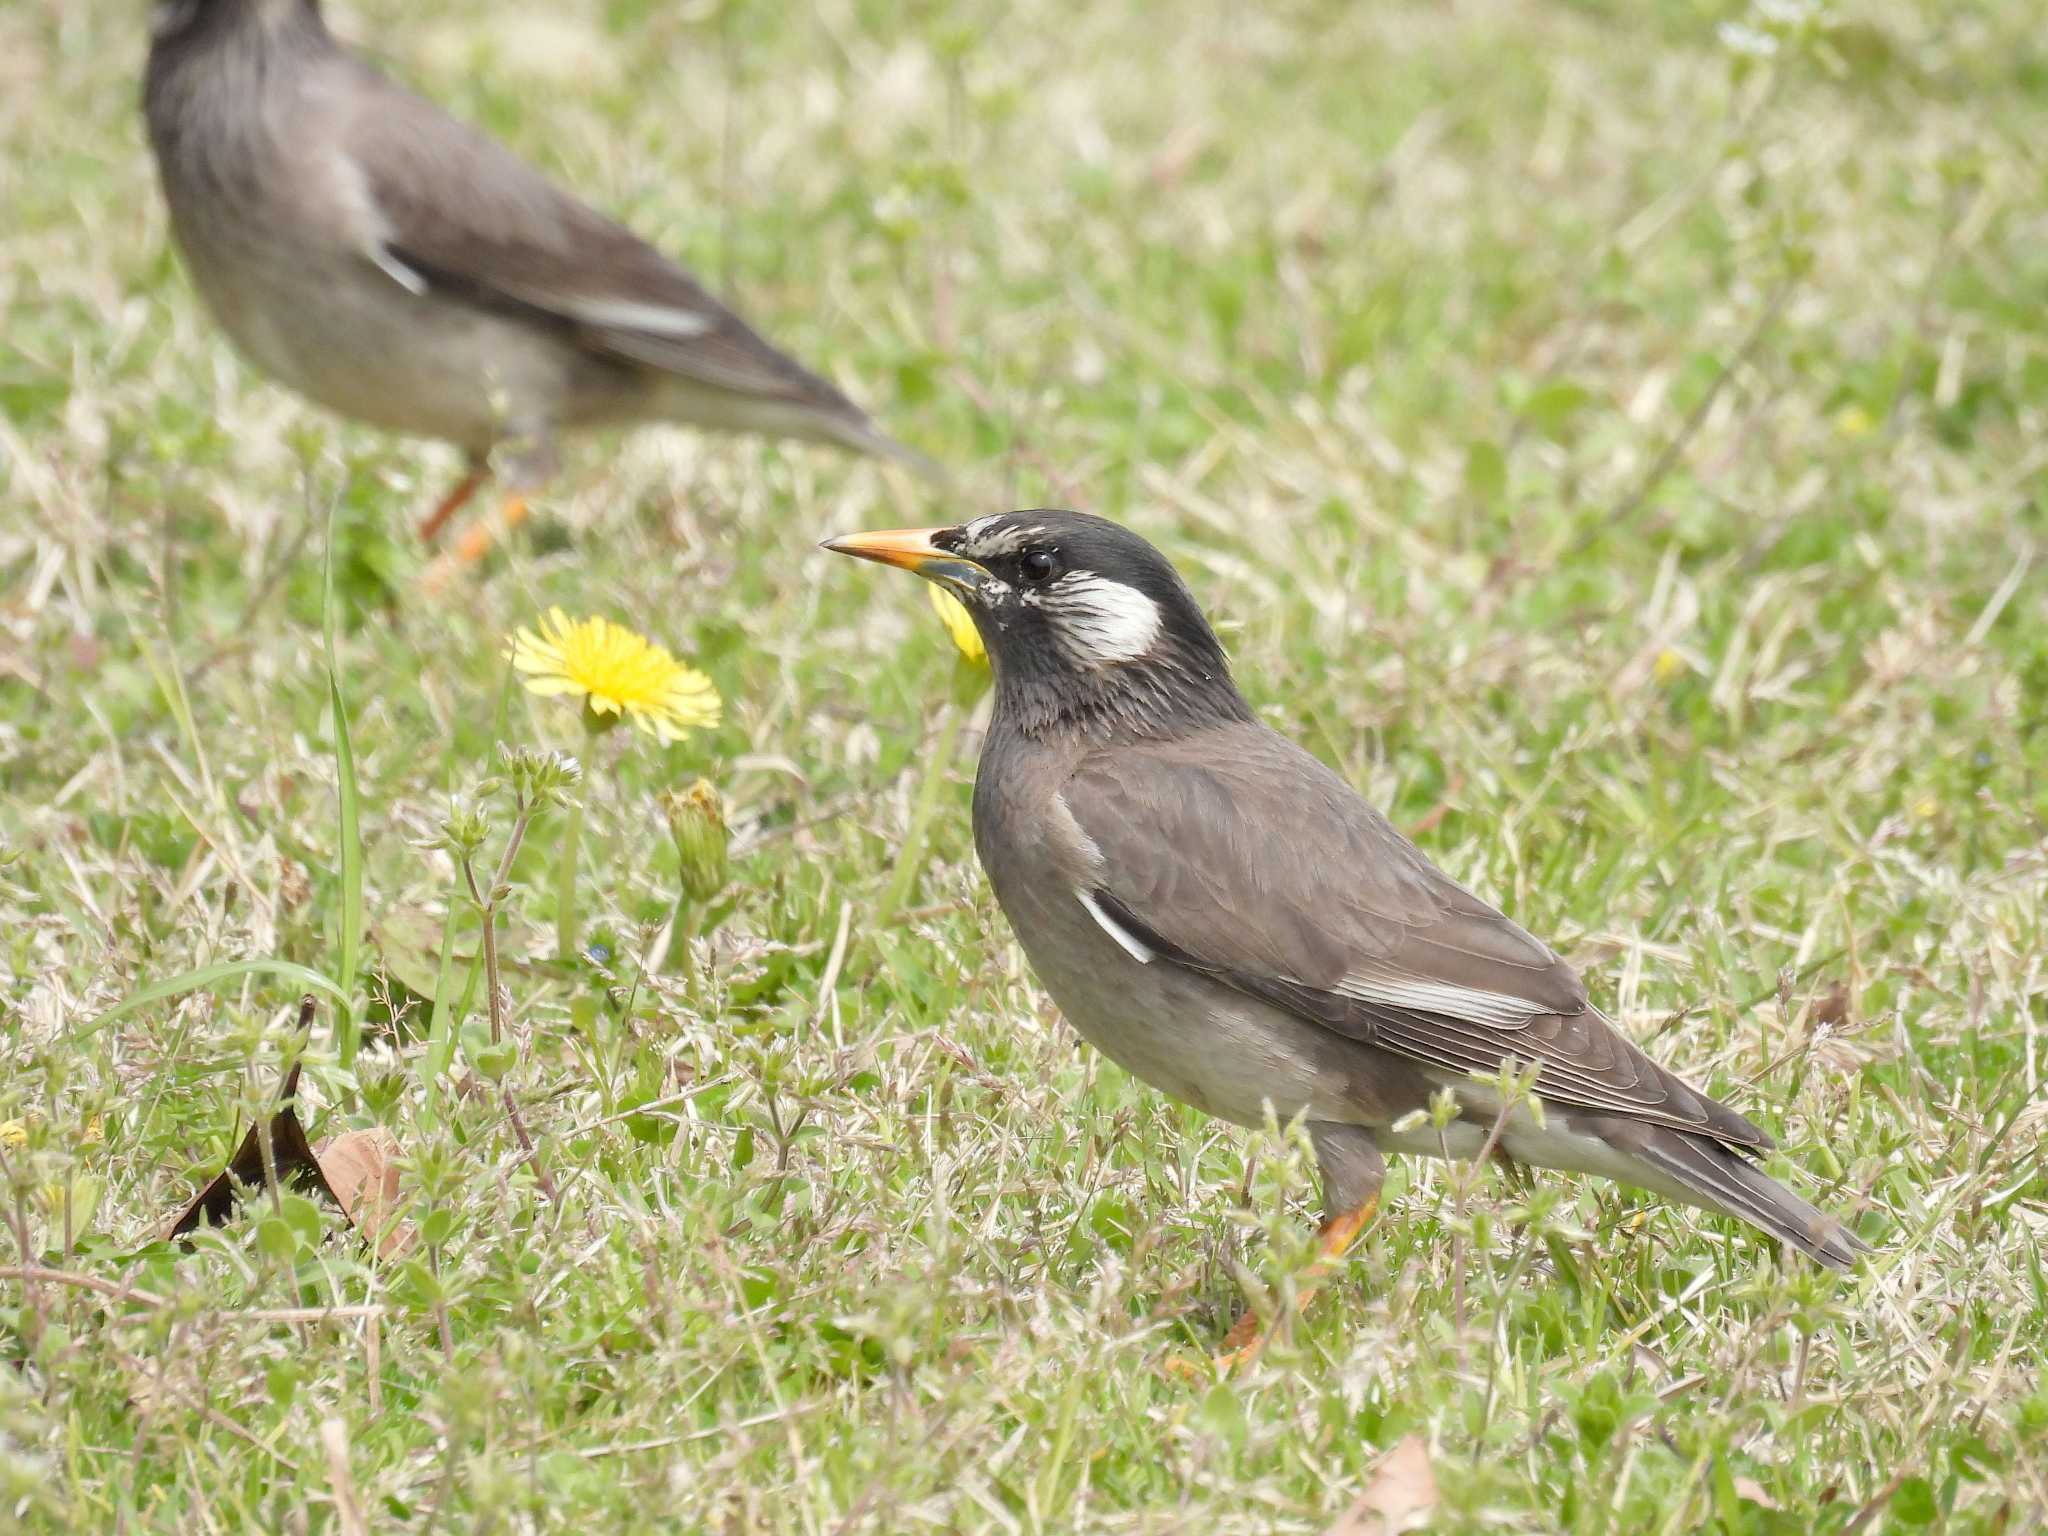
x=910 y=549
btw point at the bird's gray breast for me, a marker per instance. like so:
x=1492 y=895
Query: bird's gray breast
x=1177 y=1029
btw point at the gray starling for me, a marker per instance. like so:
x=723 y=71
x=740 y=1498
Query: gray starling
x=1218 y=912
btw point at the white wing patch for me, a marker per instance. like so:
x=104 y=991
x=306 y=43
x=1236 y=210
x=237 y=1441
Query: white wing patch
x=626 y=315
x=1100 y=621
x=398 y=271
x=1495 y=1010
x=366 y=224
x=1129 y=942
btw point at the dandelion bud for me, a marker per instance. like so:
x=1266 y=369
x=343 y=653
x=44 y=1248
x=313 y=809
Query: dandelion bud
x=696 y=820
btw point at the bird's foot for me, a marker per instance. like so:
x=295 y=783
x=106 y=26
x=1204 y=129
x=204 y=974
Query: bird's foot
x=457 y=497
x=1248 y=1336
x=476 y=542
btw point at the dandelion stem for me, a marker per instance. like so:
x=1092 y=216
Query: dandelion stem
x=910 y=860
x=681 y=959
x=565 y=884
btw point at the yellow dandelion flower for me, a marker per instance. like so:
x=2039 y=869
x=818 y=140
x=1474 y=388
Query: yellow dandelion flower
x=13 y=1133
x=959 y=624
x=1669 y=666
x=616 y=672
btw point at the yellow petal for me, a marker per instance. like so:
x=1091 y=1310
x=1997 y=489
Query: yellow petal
x=616 y=671
x=552 y=685
x=959 y=623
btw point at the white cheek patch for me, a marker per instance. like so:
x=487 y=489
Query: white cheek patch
x=1099 y=621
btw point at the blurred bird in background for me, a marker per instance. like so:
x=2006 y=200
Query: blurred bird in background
x=404 y=270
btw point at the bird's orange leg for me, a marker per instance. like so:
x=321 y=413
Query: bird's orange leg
x=479 y=536
x=457 y=497
x=476 y=542
x=1333 y=1241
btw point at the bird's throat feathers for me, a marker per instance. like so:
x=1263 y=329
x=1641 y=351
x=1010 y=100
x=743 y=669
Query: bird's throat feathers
x=1178 y=685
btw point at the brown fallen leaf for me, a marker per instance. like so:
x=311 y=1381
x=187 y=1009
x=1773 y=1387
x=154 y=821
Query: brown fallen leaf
x=357 y=1170
x=360 y=1169
x=1401 y=1491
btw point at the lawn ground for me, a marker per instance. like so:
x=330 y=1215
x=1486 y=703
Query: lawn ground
x=1615 y=436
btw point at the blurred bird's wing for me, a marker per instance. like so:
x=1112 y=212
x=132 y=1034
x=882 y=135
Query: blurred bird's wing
x=456 y=213
x=1235 y=853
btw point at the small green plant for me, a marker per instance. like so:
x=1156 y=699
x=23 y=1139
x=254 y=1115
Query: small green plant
x=534 y=781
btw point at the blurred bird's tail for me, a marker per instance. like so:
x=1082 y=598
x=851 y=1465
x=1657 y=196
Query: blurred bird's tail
x=864 y=436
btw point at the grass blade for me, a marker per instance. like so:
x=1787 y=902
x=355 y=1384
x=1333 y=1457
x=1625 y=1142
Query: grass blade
x=170 y=682
x=209 y=975
x=910 y=858
x=443 y=1021
x=351 y=830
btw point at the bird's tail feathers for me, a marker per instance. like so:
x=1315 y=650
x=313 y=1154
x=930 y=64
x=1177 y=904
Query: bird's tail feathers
x=1723 y=1180
x=863 y=436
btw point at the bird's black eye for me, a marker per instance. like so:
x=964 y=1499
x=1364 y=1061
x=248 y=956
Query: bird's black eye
x=1036 y=567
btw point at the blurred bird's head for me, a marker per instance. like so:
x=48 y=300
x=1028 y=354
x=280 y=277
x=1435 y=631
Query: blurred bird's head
x=171 y=19
x=1084 y=622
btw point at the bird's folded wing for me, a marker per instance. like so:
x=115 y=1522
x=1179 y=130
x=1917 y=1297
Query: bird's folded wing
x=1236 y=853
x=467 y=218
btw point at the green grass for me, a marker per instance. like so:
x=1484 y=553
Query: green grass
x=1614 y=448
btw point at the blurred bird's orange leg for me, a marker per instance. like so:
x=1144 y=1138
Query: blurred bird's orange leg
x=479 y=536
x=457 y=497
x=524 y=460
x=476 y=541
x=1333 y=1241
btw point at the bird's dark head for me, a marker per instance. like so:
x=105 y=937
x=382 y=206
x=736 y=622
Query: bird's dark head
x=171 y=20
x=1085 y=623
